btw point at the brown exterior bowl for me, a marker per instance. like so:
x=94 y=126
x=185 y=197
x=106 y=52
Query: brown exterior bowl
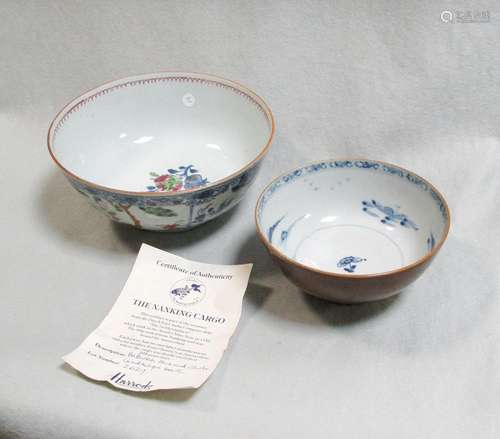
x=350 y=288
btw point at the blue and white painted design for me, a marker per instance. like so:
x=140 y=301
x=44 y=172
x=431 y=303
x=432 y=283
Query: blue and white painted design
x=350 y=263
x=387 y=214
x=270 y=231
x=369 y=166
x=431 y=242
x=286 y=233
x=211 y=210
x=169 y=211
x=176 y=179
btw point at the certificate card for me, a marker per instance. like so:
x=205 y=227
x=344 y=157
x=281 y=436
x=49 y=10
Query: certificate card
x=168 y=328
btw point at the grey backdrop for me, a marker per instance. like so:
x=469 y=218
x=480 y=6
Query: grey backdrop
x=384 y=80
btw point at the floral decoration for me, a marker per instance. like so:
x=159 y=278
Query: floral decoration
x=176 y=179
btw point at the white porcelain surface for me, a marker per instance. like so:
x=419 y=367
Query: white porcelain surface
x=352 y=217
x=165 y=151
x=132 y=128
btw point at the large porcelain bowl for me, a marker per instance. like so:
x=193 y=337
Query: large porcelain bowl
x=163 y=151
x=352 y=230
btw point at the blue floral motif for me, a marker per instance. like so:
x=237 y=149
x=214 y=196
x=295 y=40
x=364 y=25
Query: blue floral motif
x=417 y=181
x=393 y=171
x=341 y=164
x=349 y=263
x=176 y=179
x=286 y=233
x=206 y=202
x=365 y=164
x=369 y=166
x=389 y=214
x=271 y=229
x=316 y=167
x=431 y=242
x=436 y=198
x=210 y=211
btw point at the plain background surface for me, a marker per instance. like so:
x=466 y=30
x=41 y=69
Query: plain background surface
x=384 y=80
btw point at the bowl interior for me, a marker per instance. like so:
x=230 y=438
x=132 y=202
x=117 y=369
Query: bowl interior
x=352 y=217
x=161 y=133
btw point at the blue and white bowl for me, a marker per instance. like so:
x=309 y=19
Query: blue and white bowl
x=352 y=230
x=163 y=151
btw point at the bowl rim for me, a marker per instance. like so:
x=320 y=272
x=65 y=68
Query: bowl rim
x=274 y=251
x=73 y=103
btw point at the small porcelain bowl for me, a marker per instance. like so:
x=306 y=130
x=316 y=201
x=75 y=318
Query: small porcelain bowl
x=163 y=151
x=352 y=230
